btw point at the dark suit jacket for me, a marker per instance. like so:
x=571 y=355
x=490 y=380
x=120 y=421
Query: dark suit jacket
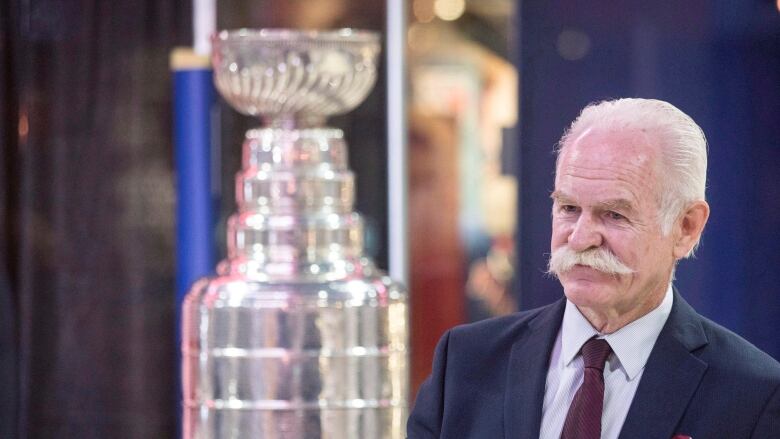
x=701 y=380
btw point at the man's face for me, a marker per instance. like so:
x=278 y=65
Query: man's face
x=606 y=196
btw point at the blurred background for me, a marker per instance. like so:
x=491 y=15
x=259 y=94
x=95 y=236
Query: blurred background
x=87 y=196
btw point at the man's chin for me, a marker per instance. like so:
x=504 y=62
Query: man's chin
x=588 y=294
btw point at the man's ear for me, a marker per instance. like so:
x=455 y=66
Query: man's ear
x=689 y=227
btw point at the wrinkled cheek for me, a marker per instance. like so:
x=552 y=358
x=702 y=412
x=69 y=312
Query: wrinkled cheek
x=558 y=237
x=555 y=241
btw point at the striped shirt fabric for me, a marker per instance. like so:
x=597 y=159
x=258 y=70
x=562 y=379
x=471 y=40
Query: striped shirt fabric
x=631 y=346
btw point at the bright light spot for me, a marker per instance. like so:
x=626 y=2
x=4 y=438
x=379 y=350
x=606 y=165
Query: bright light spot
x=423 y=10
x=357 y=291
x=449 y=10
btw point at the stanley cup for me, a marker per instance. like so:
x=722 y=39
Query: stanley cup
x=298 y=335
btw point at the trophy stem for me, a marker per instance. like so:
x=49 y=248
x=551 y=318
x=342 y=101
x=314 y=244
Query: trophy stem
x=295 y=195
x=293 y=121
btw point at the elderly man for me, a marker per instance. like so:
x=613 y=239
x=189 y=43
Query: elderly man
x=623 y=355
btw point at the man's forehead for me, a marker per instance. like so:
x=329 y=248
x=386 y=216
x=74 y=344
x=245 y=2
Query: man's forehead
x=607 y=148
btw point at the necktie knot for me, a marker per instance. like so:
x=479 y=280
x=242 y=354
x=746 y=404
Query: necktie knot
x=595 y=352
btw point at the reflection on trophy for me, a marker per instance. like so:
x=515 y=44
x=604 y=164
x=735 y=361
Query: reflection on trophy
x=298 y=335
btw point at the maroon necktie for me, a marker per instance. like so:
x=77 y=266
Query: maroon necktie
x=584 y=418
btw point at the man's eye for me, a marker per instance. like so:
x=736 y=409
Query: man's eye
x=568 y=208
x=615 y=216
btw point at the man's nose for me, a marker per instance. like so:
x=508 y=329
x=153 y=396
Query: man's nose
x=586 y=234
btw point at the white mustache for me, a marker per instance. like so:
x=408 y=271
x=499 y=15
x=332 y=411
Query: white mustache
x=601 y=259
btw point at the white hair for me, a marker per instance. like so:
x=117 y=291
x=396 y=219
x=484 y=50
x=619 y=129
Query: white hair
x=683 y=164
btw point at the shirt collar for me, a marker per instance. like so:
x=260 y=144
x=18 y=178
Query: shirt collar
x=631 y=344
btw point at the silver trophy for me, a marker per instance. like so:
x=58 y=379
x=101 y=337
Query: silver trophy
x=298 y=335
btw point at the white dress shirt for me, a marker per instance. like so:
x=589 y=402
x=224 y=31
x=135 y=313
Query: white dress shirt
x=631 y=346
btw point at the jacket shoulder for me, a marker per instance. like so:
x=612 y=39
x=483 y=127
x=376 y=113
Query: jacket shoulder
x=497 y=333
x=735 y=356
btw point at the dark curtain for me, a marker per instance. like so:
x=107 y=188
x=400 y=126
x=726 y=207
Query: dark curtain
x=86 y=216
x=8 y=362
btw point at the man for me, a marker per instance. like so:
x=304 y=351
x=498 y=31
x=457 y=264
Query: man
x=623 y=355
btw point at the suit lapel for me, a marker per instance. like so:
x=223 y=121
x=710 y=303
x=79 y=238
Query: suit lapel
x=670 y=378
x=527 y=374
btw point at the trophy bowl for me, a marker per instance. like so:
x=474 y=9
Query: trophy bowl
x=283 y=73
